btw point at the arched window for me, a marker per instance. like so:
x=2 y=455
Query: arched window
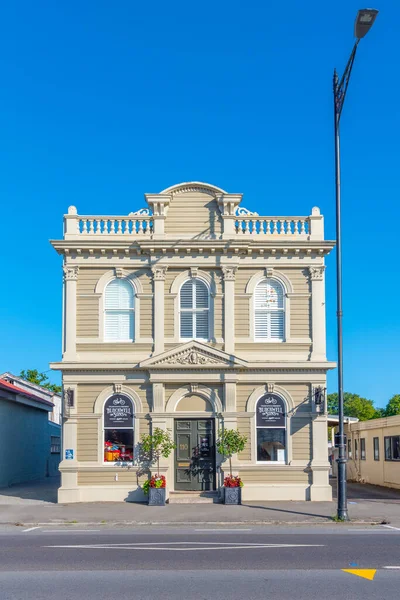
x=194 y=310
x=269 y=310
x=118 y=429
x=271 y=429
x=119 y=317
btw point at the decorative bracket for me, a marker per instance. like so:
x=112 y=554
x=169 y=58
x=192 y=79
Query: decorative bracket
x=70 y=273
x=159 y=273
x=316 y=273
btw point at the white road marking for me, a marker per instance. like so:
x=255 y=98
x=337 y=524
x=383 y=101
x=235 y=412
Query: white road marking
x=69 y=530
x=391 y=567
x=390 y=527
x=166 y=546
x=223 y=530
x=370 y=530
x=30 y=529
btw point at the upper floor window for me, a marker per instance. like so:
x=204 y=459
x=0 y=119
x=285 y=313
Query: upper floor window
x=269 y=313
x=119 y=303
x=194 y=300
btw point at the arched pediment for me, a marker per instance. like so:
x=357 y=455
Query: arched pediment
x=190 y=187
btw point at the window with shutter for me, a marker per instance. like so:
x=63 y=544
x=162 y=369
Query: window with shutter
x=194 y=310
x=119 y=311
x=269 y=310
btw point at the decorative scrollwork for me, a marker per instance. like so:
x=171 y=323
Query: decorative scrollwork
x=143 y=212
x=241 y=211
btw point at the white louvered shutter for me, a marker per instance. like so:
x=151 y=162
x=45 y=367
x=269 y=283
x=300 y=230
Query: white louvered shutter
x=186 y=301
x=202 y=311
x=194 y=310
x=269 y=311
x=119 y=311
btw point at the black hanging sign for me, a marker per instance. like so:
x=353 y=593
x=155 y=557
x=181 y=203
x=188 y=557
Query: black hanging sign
x=118 y=411
x=270 y=411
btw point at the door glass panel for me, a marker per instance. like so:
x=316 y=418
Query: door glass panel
x=204 y=445
x=183 y=446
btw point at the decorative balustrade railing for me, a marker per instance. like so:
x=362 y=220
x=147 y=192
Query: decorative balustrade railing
x=290 y=226
x=143 y=224
x=114 y=225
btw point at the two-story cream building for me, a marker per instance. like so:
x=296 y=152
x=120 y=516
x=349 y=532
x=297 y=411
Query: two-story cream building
x=191 y=315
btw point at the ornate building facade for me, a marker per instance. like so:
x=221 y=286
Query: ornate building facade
x=192 y=315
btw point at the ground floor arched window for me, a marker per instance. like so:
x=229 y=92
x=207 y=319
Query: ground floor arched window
x=271 y=443
x=118 y=423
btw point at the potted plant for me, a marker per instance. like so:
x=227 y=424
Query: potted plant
x=155 y=445
x=230 y=442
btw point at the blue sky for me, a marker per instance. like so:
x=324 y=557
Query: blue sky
x=103 y=101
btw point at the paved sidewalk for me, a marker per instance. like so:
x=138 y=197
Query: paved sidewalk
x=34 y=503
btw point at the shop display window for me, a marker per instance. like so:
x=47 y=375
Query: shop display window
x=118 y=423
x=271 y=429
x=118 y=445
x=271 y=445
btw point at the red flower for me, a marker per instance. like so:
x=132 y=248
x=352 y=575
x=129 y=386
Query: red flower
x=157 y=481
x=233 y=481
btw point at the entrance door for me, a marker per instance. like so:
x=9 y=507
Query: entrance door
x=195 y=454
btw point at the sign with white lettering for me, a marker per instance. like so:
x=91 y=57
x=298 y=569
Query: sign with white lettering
x=270 y=411
x=69 y=454
x=118 y=411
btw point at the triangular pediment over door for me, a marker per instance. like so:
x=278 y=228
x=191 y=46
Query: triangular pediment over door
x=192 y=355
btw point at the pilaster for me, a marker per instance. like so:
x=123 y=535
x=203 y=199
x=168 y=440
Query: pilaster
x=159 y=273
x=320 y=488
x=70 y=284
x=229 y=308
x=318 y=325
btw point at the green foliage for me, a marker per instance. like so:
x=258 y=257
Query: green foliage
x=354 y=406
x=41 y=379
x=157 y=444
x=146 y=486
x=393 y=406
x=230 y=442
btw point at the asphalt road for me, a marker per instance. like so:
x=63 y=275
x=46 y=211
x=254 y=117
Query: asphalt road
x=265 y=563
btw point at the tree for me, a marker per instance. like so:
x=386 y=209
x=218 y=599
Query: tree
x=393 y=406
x=230 y=442
x=41 y=379
x=157 y=444
x=354 y=406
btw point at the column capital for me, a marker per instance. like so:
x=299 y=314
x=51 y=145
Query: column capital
x=316 y=273
x=70 y=272
x=159 y=273
x=229 y=273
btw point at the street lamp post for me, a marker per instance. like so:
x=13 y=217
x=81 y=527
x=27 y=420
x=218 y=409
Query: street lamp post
x=364 y=21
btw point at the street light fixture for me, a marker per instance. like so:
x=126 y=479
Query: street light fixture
x=364 y=21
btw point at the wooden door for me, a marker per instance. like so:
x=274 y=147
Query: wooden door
x=195 y=454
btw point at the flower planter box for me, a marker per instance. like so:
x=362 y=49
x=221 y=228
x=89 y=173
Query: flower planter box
x=157 y=496
x=232 y=495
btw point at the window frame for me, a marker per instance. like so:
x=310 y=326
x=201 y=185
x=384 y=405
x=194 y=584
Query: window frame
x=285 y=428
x=391 y=438
x=103 y=430
x=194 y=311
x=363 y=450
x=269 y=310
x=55 y=444
x=376 y=448
x=132 y=311
x=355 y=449
x=349 y=448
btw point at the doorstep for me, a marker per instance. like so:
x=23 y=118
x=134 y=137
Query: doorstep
x=186 y=497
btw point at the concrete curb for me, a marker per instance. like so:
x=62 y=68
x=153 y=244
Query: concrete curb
x=70 y=525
